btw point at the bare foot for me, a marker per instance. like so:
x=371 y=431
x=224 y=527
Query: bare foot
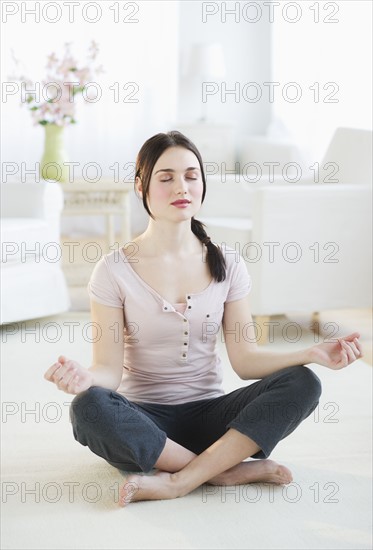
x=253 y=471
x=154 y=487
x=163 y=485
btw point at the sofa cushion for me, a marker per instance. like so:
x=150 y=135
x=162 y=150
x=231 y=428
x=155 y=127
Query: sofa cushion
x=22 y=239
x=32 y=290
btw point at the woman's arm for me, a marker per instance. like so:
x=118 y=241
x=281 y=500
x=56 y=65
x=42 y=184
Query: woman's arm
x=108 y=347
x=251 y=362
x=107 y=368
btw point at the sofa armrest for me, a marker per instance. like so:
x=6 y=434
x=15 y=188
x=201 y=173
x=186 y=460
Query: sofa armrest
x=230 y=195
x=312 y=247
x=31 y=200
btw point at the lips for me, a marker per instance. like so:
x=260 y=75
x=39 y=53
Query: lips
x=184 y=201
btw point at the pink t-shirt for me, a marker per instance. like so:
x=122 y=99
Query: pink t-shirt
x=170 y=354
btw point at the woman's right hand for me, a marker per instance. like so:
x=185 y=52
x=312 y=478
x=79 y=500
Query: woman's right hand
x=69 y=376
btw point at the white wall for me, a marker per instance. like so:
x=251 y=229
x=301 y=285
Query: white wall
x=311 y=52
x=283 y=43
x=106 y=132
x=247 y=54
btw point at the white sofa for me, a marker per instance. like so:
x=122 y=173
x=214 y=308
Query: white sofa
x=329 y=224
x=32 y=282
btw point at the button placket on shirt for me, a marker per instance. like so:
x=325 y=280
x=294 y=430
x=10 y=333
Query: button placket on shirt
x=185 y=344
x=167 y=308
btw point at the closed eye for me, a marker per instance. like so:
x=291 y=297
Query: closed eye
x=188 y=178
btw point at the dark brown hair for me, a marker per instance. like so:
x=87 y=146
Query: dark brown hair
x=148 y=155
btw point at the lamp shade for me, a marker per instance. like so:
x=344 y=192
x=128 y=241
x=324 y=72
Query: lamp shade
x=207 y=60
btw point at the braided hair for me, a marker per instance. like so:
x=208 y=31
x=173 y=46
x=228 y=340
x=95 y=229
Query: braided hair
x=148 y=155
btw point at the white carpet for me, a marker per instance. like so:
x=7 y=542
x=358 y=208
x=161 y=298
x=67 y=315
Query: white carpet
x=57 y=495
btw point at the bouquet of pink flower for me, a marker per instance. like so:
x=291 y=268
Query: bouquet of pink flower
x=54 y=102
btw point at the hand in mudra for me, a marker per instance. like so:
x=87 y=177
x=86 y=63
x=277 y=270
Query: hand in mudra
x=69 y=376
x=338 y=353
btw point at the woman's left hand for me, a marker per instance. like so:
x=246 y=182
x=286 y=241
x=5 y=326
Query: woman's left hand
x=337 y=354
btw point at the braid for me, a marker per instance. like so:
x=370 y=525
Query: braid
x=215 y=258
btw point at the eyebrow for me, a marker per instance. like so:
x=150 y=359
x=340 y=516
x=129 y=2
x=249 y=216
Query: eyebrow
x=171 y=170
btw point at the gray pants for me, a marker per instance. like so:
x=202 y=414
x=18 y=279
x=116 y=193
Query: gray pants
x=131 y=436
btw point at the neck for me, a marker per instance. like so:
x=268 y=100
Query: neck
x=169 y=239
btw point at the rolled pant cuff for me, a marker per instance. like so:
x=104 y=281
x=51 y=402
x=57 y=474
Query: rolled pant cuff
x=265 y=449
x=149 y=462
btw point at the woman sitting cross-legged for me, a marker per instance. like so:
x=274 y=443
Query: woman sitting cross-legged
x=153 y=398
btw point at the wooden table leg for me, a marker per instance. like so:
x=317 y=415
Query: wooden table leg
x=110 y=228
x=315 y=323
x=125 y=218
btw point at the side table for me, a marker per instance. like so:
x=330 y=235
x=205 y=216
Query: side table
x=104 y=198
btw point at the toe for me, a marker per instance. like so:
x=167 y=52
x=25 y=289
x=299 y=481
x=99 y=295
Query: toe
x=128 y=492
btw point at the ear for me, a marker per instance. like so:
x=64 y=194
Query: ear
x=138 y=184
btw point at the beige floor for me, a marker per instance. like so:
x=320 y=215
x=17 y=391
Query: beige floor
x=57 y=495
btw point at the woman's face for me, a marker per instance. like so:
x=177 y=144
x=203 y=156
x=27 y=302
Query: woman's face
x=176 y=186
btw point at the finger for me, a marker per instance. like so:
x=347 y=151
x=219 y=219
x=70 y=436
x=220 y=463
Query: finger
x=63 y=375
x=73 y=385
x=354 y=348
x=350 y=353
x=70 y=375
x=62 y=359
x=59 y=373
x=343 y=361
x=51 y=371
x=350 y=345
x=61 y=384
x=351 y=337
x=359 y=347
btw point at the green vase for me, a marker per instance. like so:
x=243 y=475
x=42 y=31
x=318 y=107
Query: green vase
x=52 y=162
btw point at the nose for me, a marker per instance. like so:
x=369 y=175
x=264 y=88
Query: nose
x=181 y=185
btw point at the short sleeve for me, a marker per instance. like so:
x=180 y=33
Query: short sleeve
x=240 y=284
x=102 y=286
